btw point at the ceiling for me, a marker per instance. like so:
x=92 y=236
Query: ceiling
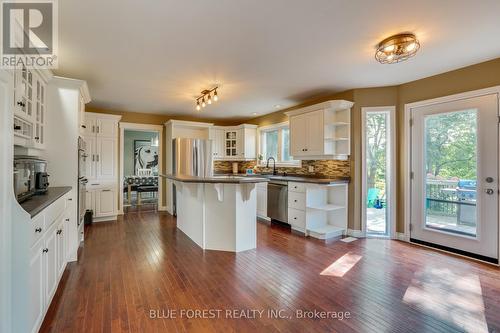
x=156 y=56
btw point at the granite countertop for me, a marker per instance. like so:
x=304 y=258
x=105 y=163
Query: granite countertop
x=302 y=179
x=39 y=202
x=217 y=179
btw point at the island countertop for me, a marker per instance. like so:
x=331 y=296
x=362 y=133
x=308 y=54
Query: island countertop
x=37 y=203
x=216 y=179
x=321 y=180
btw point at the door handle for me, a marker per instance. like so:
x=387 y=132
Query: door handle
x=489 y=191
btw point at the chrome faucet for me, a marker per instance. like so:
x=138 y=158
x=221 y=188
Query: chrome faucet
x=274 y=165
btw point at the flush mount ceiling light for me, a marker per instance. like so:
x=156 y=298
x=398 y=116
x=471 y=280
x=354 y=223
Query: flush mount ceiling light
x=397 y=48
x=207 y=97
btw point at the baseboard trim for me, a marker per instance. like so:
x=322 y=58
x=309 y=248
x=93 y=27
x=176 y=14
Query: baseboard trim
x=105 y=219
x=402 y=237
x=355 y=233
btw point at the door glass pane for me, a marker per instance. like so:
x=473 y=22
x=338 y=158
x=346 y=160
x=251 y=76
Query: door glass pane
x=376 y=171
x=450 y=158
x=271 y=141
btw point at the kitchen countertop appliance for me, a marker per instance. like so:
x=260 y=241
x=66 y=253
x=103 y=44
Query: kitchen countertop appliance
x=30 y=177
x=191 y=157
x=82 y=179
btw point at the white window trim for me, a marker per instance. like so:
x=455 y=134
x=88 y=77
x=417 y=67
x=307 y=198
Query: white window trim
x=267 y=128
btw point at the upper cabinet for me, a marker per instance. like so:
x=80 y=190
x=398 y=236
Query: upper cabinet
x=321 y=131
x=101 y=138
x=30 y=107
x=235 y=143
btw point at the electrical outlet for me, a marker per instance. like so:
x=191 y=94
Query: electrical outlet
x=311 y=168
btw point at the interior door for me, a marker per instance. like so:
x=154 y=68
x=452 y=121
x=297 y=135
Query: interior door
x=454 y=191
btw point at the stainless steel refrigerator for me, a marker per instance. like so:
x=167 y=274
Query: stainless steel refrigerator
x=191 y=157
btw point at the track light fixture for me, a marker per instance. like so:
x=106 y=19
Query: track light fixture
x=207 y=93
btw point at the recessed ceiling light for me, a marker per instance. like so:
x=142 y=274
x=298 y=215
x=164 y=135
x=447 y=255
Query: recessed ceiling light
x=255 y=113
x=277 y=106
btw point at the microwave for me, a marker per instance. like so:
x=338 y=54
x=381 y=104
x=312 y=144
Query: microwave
x=30 y=177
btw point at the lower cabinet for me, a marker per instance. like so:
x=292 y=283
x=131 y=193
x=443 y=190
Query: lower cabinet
x=262 y=200
x=103 y=202
x=48 y=258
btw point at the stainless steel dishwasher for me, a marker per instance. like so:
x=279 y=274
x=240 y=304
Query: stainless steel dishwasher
x=277 y=200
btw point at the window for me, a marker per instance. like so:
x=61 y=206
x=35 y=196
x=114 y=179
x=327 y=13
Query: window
x=275 y=142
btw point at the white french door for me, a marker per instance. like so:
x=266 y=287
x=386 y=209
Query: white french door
x=454 y=164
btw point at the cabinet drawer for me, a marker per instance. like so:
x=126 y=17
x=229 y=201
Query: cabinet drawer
x=37 y=228
x=54 y=211
x=297 y=218
x=297 y=200
x=296 y=187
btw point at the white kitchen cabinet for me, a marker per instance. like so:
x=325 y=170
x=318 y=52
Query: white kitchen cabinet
x=102 y=199
x=234 y=143
x=319 y=211
x=321 y=131
x=101 y=138
x=30 y=107
x=106 y=160
x=105 y=202
x=50 y=252
x=262 y=200
x=61 y=246
x=90 y=160
x=36 y=286
x=217 y=137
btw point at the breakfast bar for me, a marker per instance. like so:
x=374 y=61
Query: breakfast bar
x=218 y=212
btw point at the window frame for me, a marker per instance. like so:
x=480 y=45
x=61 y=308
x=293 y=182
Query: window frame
x=279 y=163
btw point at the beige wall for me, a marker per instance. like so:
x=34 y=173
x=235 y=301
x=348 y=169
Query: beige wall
x=486 y=74
x=483 y=75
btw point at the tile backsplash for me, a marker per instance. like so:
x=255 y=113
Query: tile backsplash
x=327 y=168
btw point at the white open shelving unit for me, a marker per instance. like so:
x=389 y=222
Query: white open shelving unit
x=319 y=211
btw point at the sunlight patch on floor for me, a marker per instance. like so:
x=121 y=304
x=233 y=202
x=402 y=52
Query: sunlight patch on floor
x=341 y=265
x=456 y=298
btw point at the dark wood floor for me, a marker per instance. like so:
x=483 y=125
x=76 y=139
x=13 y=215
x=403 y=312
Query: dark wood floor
x=142 y=263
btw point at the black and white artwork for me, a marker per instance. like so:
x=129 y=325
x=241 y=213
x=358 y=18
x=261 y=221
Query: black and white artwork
x=145 y=156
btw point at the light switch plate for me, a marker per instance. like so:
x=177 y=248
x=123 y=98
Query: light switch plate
x=311 y=168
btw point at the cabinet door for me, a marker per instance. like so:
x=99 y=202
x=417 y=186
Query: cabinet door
x=81 y=117
x=90 y=160
x=262 y=200
x=106 y=128
x=90 y=125
x=105 y=202
x=218 y=143
x=230 y=144
x=61 y=248
x=36 y=286
x=90 y=200
x=315 y=133
x=240 y=143
x=298 y=136
x=106 y=158
x=50 y=263
x=39 y=111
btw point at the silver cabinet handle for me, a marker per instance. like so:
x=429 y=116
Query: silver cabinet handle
x=93 y=158
x=97 y=156
x=93 y=129
x=97 y=129
x=106 y=190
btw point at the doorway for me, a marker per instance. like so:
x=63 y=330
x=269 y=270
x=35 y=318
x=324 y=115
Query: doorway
x=378 y=178
x=140 y=166
x=454 y=176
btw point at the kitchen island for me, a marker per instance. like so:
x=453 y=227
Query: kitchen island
x=218 y=212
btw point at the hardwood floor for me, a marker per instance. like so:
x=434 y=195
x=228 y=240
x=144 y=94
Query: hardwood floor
x=143 y=263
